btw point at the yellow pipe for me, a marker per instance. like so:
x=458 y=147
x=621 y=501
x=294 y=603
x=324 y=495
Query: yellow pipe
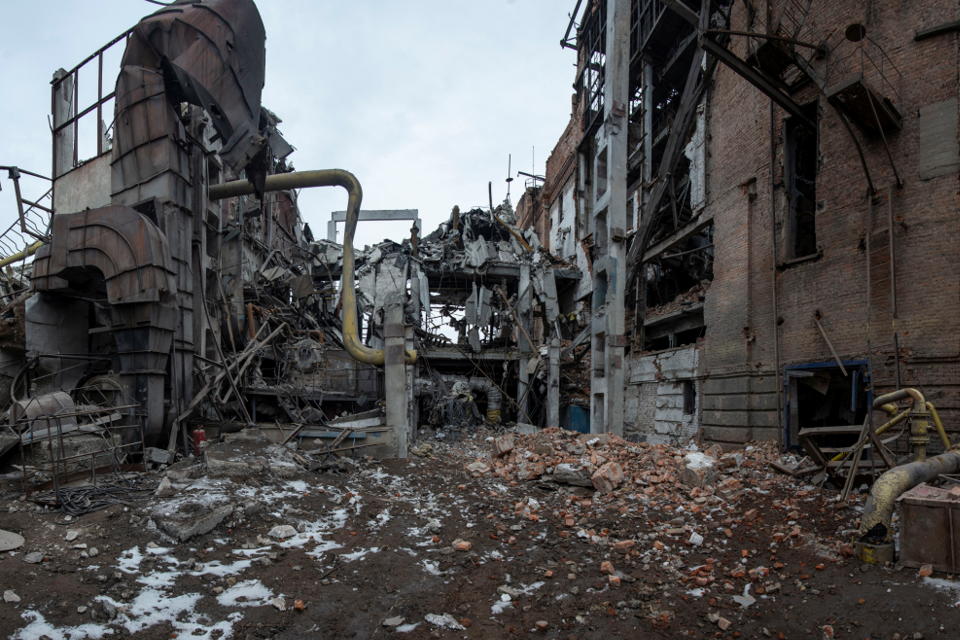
x=938 y=424
x=348 y=293
x=918 y=423
x=513 y=232
x=20 y=255
x=896 y=420
x=875 y=527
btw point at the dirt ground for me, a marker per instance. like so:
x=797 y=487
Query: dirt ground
x=424 y=548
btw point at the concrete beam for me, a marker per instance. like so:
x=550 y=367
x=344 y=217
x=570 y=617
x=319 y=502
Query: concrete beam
x=373 y=215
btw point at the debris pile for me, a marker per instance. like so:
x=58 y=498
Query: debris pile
x=695 y=506
x=608 y=463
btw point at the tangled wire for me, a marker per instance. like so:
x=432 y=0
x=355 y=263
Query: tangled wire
x=76 y=501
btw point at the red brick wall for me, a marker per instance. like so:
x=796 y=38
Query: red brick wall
x=738 y=309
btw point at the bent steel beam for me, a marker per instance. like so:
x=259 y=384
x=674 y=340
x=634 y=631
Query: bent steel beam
x=326 y=178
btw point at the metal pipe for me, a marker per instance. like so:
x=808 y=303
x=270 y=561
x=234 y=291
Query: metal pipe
x=938 y=424
x=486 y=386
x=20 y=255
x=900 y=417
x=918 y=417
x=826 y=338
x=875 y=525
x=348 y=293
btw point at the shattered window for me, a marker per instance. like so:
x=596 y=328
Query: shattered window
x=800 y=165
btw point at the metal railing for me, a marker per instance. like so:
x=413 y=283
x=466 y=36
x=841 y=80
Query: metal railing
x=32 y=224
x=66 y=87
x=854 y=53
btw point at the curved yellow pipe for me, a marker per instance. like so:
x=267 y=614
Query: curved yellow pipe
x=20 y=255
x=875 y=526
x=348 y=293
x=938 y=424
x=918 y=417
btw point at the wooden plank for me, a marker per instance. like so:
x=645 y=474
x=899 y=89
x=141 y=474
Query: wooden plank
x=694 y=226
x=851 y=429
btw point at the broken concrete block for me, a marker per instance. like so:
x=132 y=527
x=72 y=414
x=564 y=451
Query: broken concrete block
x=525 y=429
x=567 y=473
x=503 y=445
x=698 y=470
x=165 y=489
x=478 y=467
x=282 y=532
x=530 y=470
x=189 y=519
x=158 y=456
x=608 y=477
x=183 y=471
x=220 y=465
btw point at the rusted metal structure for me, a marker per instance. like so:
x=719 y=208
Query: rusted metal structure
x=174 y=283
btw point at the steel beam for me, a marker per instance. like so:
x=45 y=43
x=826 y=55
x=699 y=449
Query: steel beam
x=369 y=215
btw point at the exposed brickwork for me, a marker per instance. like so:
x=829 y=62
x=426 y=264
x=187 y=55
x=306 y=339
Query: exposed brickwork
x=849 y=283
x=739 y=311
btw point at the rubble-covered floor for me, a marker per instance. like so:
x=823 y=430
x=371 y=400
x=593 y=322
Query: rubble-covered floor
x=451 y=544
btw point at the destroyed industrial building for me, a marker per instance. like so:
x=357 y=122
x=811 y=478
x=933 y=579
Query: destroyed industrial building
x=710 y=350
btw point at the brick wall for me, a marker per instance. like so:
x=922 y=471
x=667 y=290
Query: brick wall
x=739 y=361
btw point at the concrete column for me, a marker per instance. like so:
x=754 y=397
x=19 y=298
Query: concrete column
x=395 y=378
x=523 y=343
x=553 y=383
x=332 y=230
x=413 y=407
x=616 y=100
x=63 y=141
x=647 y=130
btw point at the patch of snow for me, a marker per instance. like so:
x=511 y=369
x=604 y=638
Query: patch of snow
x=697 y=460
x=357 y=555
x=217 y=568
x=249 y=593
x=38 y=628
x=129 y=561
x=445 y=621
x=501 y=605
x=941 y=584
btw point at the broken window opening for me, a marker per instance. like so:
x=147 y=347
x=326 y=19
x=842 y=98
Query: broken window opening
x=689 y=397
x=680 y=272
x=679 y=328
x=602 y=173
x=818 y=395
x=801 y=164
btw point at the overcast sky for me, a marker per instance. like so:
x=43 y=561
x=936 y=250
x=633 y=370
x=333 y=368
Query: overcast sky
x=422 y=100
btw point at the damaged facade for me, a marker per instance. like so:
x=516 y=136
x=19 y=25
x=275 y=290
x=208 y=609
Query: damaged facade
x=174 y=288
x=755 y=190
x=712 y=259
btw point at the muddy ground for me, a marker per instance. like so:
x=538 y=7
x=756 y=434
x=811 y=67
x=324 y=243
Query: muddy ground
x=379 y=549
